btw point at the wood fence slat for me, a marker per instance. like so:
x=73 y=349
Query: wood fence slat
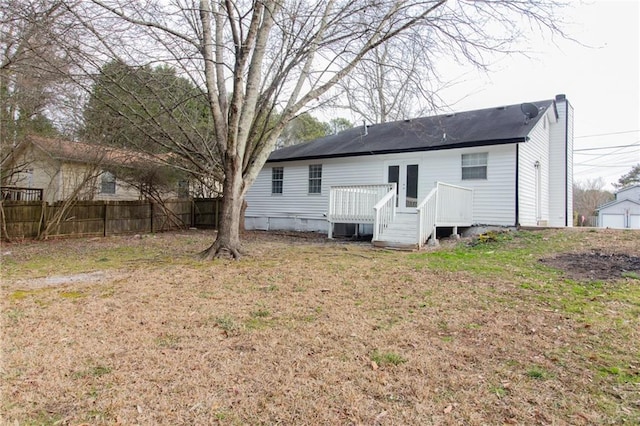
x=22 y=218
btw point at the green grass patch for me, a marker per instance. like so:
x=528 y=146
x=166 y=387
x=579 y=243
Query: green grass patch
x=387 y=358
x=94 y=371
x=261 y=313
x=169 y=341
x=622 y=375
x=500 y=391
x=56 y=258
x=537 y=373
x=229 y=325
x=21 y=294
x=72 y=294
x=259 y=319
x=14 y=314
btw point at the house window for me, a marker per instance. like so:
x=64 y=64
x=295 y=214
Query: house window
x=108 y=183
x=277 y=179
x=183 y=189
x=30 y=178
x=474 y=166
x=315 y=179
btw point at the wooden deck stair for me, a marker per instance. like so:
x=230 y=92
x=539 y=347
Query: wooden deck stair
x=401 y=233
x=446 y=205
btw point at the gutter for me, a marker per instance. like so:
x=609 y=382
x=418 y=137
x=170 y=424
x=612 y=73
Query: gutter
x=400 y=151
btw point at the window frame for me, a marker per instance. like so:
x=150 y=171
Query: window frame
x=315 y=179
x=277 y=182
x=108 y=183
x=476 y=162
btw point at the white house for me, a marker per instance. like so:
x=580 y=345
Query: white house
x=506 y=166
x=623 y=212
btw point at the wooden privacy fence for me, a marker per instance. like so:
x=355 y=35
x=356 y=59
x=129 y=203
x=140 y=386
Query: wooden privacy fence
x=27 y=219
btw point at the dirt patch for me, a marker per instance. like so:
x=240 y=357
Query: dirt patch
x=595 y=265
x=58 y=280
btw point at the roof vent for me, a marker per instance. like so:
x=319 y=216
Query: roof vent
x=451 y=115
x=529 y=110
x=502 y=107
x=561 y=97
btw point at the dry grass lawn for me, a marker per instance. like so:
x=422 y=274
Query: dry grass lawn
x=302 y=330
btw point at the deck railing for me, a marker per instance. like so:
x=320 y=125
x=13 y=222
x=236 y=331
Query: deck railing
x=354 y=203
x=455 y=205
x=21 y=194
x=385 y=212
x=427 y=212
x=446 y=205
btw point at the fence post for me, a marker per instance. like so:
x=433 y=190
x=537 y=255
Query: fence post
x=43 y=216
x=104 y=234
x=151 y=217
x=193 y=214
x=215 y=219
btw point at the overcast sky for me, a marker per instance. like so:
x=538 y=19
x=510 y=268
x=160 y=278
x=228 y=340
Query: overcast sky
x=601 y=81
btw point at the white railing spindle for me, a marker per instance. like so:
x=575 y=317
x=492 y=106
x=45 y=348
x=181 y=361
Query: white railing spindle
x=354 y=203
x=385 y=212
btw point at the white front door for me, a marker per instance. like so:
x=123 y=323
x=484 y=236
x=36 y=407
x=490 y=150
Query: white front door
x=405 y=175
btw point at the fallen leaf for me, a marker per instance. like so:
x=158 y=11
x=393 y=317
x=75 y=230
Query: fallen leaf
x=448 y=409
x=374 y=365
x=379 y=417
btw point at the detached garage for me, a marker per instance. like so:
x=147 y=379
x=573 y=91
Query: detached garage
x=623 y=212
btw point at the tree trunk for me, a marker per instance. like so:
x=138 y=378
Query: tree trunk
x=227 y=243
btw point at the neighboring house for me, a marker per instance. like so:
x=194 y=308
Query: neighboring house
x=506 y=166
x=60 y=169
x=623 y=212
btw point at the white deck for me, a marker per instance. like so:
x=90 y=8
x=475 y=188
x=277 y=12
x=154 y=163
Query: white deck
x=445 y=206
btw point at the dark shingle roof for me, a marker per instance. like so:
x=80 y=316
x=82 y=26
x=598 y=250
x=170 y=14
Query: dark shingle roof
x=489 y=126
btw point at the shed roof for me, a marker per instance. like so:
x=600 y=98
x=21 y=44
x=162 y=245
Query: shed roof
x=628 y=188
x=490 y=126
x=615 y=202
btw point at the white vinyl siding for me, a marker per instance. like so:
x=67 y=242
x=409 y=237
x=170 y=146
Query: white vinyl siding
x=561 y=167
x=493 y=200
x=533 y=175
x=295 y=209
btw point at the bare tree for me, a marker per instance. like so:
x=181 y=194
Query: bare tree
x=259 y=59
x=393 y=82
x=588 y=195
x=36 y=37
x=83 y=183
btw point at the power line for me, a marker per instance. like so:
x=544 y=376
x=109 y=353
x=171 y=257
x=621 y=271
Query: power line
x=606 y=147
x=606 y=134
x=601 y=165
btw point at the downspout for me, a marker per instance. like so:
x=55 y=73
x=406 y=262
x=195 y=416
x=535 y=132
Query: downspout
x=517 y=224
x=566 y=164
x=563 y=98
